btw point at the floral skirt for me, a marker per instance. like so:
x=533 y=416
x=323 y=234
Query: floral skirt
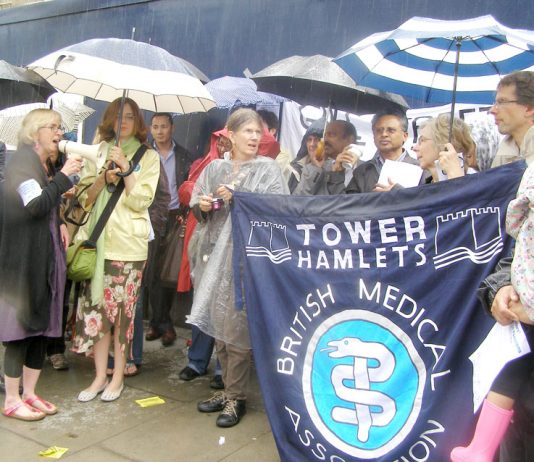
x=117 y=308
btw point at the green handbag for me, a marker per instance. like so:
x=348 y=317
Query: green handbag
x=81 y=261
x=81 y=257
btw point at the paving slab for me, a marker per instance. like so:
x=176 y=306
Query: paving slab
x=124 y=431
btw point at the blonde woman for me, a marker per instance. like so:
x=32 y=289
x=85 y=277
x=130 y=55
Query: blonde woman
x=444 y=159
x=32 y=251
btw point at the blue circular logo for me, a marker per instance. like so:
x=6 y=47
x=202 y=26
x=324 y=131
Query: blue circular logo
x=363 y=383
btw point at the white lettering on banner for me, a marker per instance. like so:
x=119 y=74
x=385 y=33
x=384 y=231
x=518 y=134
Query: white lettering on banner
x=388 y=296
x=403 y=305
x=307 y=439
x=377 y=257
x=309 y=334
x=420 y=450
x=289 y=344
x=414 y=228
x=389 y=230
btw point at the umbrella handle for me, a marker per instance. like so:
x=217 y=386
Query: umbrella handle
x=127 y=172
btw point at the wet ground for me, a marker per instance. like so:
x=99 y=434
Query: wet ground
x=124 y=431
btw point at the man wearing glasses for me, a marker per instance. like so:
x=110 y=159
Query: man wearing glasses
x=514 y=116
x=390 y=132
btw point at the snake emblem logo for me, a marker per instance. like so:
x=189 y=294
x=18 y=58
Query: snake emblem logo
x=363 y=382
x=361 y=395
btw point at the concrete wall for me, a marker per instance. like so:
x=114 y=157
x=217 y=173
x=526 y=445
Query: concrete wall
x=223 y=37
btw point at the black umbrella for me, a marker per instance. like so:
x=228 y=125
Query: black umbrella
x=21 y=86
x=318 y=81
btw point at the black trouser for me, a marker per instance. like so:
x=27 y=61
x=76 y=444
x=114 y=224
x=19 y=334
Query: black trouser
x=518 y=443
x=516 y=373
x=513 y=377
x=29 y=352
x=161 y=296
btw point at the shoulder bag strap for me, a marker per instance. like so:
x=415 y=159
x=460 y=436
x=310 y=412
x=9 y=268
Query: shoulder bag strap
x=99 y=227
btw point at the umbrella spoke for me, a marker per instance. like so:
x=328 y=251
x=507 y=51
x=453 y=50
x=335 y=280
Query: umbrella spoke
x=490 y=62
x=318 y=81
x=20 y=86
x=436 y=72
x=103 y=68
x=404 y=61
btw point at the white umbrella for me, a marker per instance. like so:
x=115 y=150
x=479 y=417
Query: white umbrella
x=103 y=69
x=72 y=114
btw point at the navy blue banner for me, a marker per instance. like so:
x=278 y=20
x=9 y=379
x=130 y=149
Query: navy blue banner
x=363 y=313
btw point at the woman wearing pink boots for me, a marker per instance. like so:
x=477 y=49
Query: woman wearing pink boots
x=497 y=408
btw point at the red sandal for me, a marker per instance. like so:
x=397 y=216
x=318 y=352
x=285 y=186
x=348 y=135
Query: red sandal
x=12 y=412
x=41 y=405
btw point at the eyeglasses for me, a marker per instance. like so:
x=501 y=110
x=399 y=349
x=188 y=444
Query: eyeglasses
x=387 y=130
x=422 y=139
x=54 y=127
x=502 y=102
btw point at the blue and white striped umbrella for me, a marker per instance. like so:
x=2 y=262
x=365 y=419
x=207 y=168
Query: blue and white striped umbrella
x=423 y=56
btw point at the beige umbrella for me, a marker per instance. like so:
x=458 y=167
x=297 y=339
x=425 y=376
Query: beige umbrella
x=72 y=114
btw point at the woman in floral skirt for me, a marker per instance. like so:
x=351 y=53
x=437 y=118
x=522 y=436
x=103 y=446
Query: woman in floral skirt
x=106 y=307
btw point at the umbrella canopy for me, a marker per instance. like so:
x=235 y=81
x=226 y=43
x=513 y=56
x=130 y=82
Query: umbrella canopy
x=21 y=86
x=239 y=91
x=72 y=114
x=317 y=81
x=440 y=61
x=103 y=69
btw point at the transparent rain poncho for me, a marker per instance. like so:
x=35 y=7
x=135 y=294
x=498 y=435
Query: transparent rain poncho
x=210 y=248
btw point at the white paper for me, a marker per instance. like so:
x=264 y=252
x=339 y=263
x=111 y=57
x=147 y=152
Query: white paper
x=407 y=175
x=501 y=345
x=29 y=190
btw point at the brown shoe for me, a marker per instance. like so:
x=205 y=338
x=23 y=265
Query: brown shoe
x=152 y=334
x=168 y=337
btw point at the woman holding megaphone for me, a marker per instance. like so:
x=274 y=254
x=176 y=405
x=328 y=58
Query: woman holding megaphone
x=32 y=252
x=106 y=307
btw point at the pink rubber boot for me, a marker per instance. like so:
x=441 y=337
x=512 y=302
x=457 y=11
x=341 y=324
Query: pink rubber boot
x=491 y=427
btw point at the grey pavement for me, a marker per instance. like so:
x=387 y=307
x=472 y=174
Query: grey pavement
x=123 y=431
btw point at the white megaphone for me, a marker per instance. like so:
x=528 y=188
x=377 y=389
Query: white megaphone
x=96 y=153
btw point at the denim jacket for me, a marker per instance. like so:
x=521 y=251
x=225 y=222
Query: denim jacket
x=502 y=276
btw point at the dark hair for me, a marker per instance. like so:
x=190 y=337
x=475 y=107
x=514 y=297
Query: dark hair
x=269 y=118
x=524 y=86
x=162 y=114
x=349 y=130
x=311 y=131
x=106 y=129
x=399 y=114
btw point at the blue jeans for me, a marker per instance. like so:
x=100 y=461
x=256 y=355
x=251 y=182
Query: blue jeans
x=200 y=351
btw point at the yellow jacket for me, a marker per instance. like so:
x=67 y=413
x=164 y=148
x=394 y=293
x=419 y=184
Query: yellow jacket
x=127 y=230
